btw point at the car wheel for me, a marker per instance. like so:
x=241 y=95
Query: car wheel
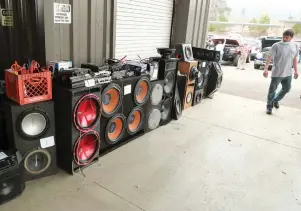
x=256 y=66
x=235 y=61
x=248 y=59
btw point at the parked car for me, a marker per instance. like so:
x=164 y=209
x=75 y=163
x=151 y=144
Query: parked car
x=255 y=46
x=266 y=44
x=231 y=50
x=299 y=43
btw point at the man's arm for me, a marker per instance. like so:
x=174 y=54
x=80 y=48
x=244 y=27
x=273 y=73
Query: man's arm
x=267 y=63
x=295 y=64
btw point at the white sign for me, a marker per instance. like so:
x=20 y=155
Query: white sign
x=2 y=155
x=7 y=17
x=90 y=82
x=127 y=89
x=62 y=13
x=47 y=142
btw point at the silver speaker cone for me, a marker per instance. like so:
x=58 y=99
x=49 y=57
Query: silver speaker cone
x=156 y=94
x=154 y=119
x=166 y=109
x=33 y=124
x=37 y=161
x=169 y=82
x=6 y=188
x=189 y=97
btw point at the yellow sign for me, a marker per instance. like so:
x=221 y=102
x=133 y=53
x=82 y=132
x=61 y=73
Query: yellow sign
x=7 y=17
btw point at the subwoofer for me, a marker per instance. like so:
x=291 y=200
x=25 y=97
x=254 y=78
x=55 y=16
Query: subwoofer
x=190 y=69
x=12 y=182
x=186 y=91
x=184 y=52
x=215 y=78
x=129 y=122
x=205 y=54
x=78 y=112
x=31 y=130
x=154 y=106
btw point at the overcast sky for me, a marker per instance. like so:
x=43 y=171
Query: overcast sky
x=276 y=9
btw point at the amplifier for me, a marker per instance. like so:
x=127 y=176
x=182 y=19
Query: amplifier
x=205 y=54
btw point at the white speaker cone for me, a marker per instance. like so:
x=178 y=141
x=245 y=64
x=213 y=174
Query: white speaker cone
x=156 y=94
x=154 y=119
x=33 y=124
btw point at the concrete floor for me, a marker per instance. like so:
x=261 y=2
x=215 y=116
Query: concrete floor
x=225 y=154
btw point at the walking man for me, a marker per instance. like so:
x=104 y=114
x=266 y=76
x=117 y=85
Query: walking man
x=284 y=55
x=243 y=56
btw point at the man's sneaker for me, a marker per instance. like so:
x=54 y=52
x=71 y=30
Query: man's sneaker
x=269 y=111
x=276 y=105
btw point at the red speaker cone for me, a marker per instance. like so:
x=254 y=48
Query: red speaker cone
x=86 y=148
x=87 y=112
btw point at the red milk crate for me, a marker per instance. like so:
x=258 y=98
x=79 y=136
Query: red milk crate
x=28 y=88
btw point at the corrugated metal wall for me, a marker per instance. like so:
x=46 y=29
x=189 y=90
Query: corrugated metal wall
x=90 y=36
x=190 y=22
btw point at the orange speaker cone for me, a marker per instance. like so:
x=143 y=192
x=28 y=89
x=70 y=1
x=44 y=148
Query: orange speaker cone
x=135 y=120
x=111 y=99
x=115 y=129
x=142 y=91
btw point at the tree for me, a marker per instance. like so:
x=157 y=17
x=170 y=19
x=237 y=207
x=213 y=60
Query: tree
x=253 y=29
x=297 y=28
x=221 y=18
x=223 y=8
x=265 y=19
x=211 y=28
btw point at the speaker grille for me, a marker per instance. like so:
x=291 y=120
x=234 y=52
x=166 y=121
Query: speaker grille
x=115 y=129
x=111 y=99
x=33 y=123
x=135 y=120
x=188 y=52
x=156 y=94
x=166 y=109
x=169 y=82
x=141 y=93
x=87 y=112
x=200 y=80
x=154 y=119
x=86 y=148
x=178 y=106
x=37 y=161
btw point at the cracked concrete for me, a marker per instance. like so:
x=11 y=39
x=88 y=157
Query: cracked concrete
x=225 y=154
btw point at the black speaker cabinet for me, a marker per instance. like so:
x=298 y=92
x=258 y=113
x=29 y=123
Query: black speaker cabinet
x=154 y=106
x=166 y=66
x=77 y=113
x=184 y=52
x=128 y=121
x=176 y=111
x=31 y=130
x=215 y=78
x=205 y=54
x=4 y=145
x=12 y=182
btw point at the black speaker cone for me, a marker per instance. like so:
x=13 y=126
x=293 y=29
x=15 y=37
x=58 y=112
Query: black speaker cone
x=199 y=97
x=166 y=109
x=37 y=161
x=188 y=52
x=33 y=123
x=178 y=106
x=200 y=80
x=193 y=73
x=154 y=119
x=169 y=82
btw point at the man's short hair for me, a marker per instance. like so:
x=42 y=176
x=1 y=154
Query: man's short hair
x=288 y=32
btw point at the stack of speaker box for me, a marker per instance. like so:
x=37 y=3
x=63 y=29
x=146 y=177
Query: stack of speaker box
x=82 y=124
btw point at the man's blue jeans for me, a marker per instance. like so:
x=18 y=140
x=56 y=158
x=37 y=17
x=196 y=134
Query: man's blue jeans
x=286 y=86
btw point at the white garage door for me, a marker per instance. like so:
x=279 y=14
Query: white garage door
x=142 y=26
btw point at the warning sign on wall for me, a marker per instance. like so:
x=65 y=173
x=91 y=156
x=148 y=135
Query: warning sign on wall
x=7 y=17
x=62 y=13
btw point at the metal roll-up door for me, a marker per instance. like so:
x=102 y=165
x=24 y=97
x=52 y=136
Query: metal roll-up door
x=142 y=26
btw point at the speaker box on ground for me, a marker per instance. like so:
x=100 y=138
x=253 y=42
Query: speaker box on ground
x=11 y=176
x=185 y=91
x=206 y=54
x=190 y=69
x=176 y=111
x=31 y=130
x=128 y=122
x=215 y=79
x=184 y=52
x=77 y=113
x=154 y=106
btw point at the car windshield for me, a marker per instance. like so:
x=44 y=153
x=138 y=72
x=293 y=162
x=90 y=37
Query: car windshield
x=252 y=43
